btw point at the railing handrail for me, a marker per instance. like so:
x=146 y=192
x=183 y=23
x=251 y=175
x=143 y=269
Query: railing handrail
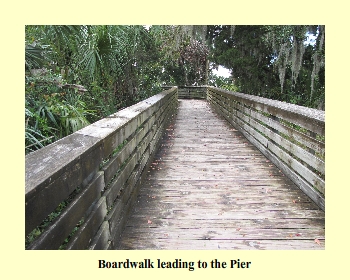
x=314 y=115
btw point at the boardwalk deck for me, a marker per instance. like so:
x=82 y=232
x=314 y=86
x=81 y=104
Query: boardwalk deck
x=209 y=188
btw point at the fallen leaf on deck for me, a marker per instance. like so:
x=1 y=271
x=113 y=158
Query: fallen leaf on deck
x=149 y=222
x=317 y=241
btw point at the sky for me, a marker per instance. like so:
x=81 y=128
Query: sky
x=311 y=39
x=222 y=71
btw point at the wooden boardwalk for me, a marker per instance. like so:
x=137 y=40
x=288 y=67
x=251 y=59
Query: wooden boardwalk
x=209 y=188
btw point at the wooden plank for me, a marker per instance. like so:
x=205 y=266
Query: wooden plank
x=60 y=228
x=225 y=233
x=114 y=189
x=167 y=243
x=119 y=159
x=142 y=223
x=90 y=227
x=102 y=238
x=199 y=213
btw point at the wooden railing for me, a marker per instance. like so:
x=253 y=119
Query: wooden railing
x=291 y=136
x=80 y=189
x=85 y=183
x=191 y=92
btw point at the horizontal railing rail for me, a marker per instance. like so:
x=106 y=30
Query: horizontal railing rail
x=291 y=136
x=191 y=92
x=79 y=189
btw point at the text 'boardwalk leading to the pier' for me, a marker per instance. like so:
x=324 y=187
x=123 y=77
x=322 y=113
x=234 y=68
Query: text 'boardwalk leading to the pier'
x=177 y=263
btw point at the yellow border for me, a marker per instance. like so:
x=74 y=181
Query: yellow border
x=15 y=261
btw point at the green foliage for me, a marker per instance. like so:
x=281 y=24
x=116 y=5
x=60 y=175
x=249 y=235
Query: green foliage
x=51 y=112
x=118 y=65
x=121 y=65
x=273 y=61
x=221 y=82
x=183 y=54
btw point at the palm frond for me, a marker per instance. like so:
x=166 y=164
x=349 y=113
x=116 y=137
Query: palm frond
x=34 y=56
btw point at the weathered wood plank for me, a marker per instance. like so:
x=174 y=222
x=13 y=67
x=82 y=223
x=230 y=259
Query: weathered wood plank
x=232 y=224
x=88 y=229
x=308 y=118
x=226 y=233
x=102 y=238
x=55 y=234
x=166 y=243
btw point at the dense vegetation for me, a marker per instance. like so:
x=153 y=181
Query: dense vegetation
x=76 y=75
x=276 y=62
